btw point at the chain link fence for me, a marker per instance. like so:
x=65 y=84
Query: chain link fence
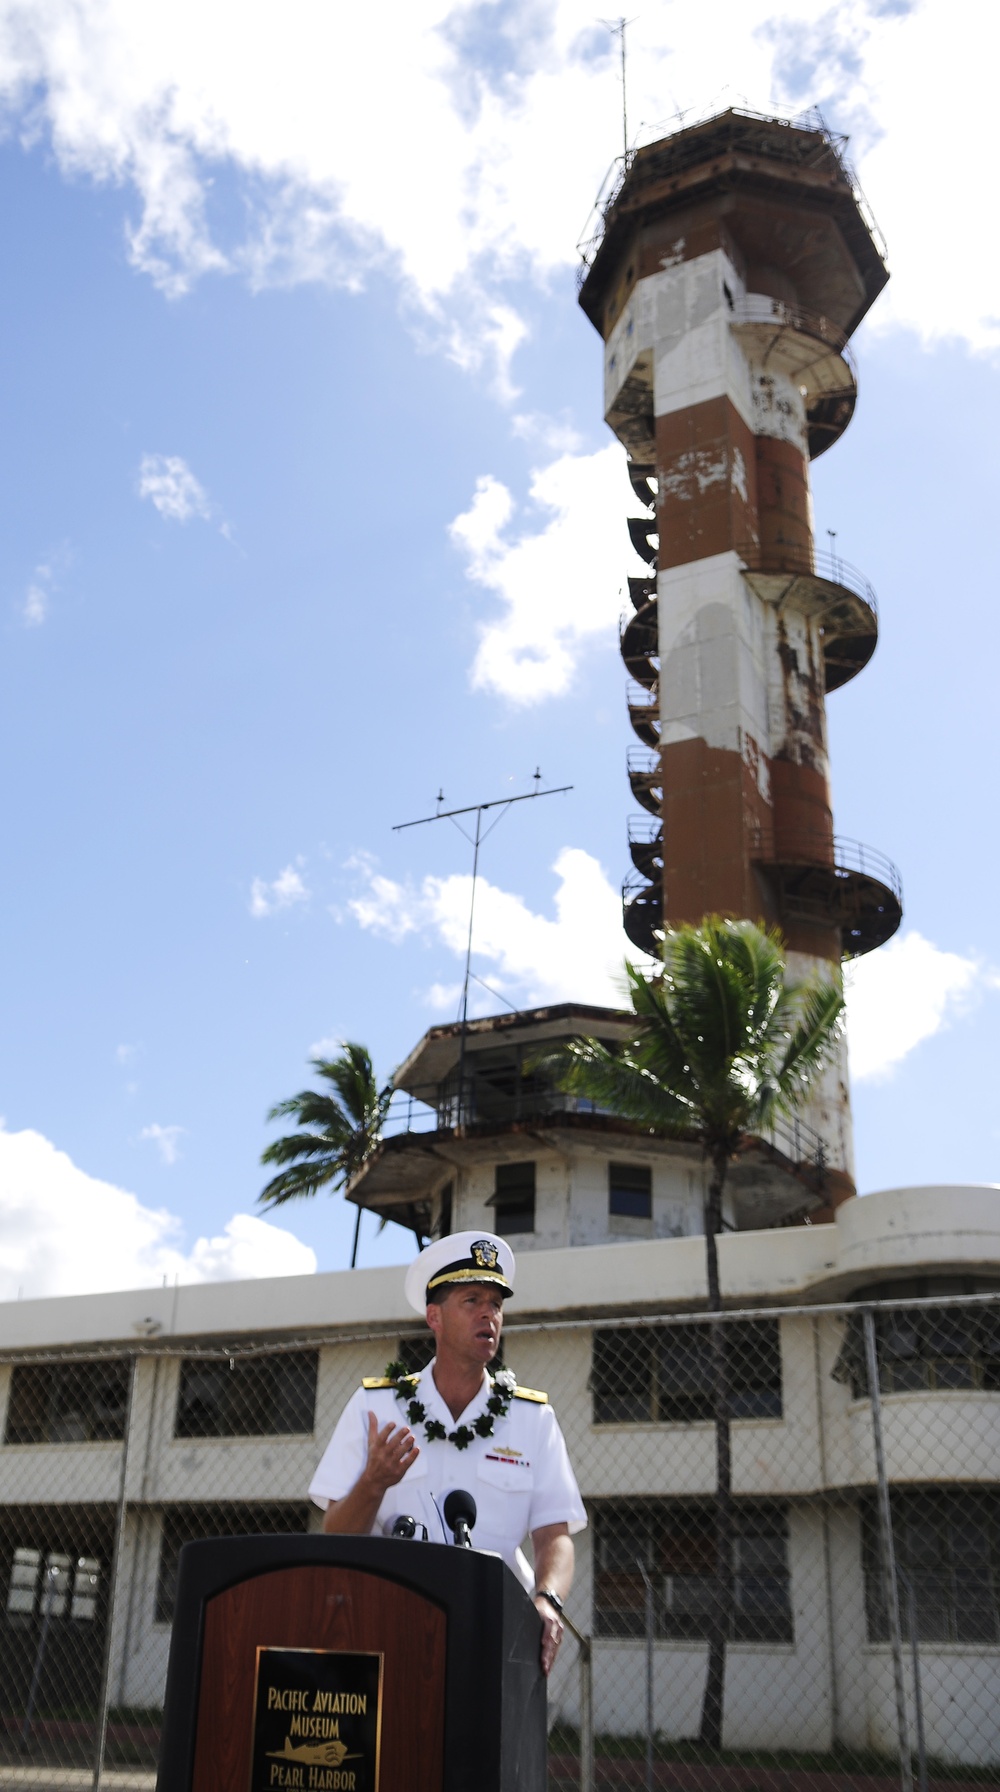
x=790 y=1581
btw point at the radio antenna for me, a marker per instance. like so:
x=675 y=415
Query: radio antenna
x=476 y=840
x=617 y=28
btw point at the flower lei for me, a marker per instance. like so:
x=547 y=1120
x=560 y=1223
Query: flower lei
x=497 y=1406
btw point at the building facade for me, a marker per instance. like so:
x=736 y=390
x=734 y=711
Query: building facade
x=157 y=1416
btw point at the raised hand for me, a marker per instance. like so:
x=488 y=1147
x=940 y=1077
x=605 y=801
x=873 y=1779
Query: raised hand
x=391 y=1452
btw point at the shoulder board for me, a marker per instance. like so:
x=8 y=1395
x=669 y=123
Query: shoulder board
x=531 y=1394
x=377 y=1381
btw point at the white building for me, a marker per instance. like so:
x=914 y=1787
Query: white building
x=237 y=1387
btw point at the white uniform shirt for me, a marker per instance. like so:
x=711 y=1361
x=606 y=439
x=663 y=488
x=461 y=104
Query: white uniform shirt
x=520 y=1478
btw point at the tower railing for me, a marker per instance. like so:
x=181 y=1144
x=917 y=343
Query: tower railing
x=805 y=562
x=737 y=119
x=759 y=308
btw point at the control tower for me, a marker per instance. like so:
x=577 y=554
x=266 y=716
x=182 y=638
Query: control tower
x=733 y=262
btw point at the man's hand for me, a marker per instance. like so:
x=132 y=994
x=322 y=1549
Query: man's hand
x=391 y=1452
x=552 y=1547
x=552 y=1632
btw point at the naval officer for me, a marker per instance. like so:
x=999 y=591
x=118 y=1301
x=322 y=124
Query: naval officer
x=404 y=1442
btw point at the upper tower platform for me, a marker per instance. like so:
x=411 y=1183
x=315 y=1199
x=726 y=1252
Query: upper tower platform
x=779 y=197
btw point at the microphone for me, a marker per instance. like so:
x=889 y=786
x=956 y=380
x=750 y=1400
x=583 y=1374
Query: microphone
x=460 y=1516
x=405 y=1526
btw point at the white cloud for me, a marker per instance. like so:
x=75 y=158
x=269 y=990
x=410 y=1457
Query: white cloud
x=904 y=994
x=64 y=1232
x=287 y=889
x=165 y=1139
x=37 y=598
x=561 y=584
x=169 y=483
x=249 y=1247
x=509 y=117
x=577 y=955
x=36 y=604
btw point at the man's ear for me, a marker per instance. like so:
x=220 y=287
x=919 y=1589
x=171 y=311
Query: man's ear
x=434 y=1317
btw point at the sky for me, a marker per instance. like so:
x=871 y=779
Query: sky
x=310 y=512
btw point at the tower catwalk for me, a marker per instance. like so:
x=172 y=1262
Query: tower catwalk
x=733 y=263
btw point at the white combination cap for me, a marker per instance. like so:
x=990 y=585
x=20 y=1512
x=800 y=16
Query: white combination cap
x=461 y=1257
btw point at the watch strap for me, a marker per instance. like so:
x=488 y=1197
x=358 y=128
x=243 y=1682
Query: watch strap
x=553 y=1599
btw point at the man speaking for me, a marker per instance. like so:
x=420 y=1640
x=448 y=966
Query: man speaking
x=403 y=1443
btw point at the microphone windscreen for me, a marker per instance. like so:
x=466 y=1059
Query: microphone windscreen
x=459 y=1505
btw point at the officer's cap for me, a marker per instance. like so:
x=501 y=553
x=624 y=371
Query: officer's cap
x=462 y=1257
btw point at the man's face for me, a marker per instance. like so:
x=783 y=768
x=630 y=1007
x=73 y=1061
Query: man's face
x=468 y=1322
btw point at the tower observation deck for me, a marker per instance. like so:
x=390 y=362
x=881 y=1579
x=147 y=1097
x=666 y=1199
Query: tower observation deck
x=732 y=263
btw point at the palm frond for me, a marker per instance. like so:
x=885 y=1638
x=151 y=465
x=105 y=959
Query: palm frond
x=720 y=1041
x=346 y=1121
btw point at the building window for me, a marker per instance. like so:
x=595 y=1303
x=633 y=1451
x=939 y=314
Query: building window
x=513 y=1199
x=947 y=1543
x=261 y=1396
x=187 y=1524
x=630 y=1191
x=674 y=1540
x=447 y=1199
x=67 y=1403
x=53 y=1585
x=941 y=1349
x=663 y=1374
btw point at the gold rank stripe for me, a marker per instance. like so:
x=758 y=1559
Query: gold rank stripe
x=377 y=1381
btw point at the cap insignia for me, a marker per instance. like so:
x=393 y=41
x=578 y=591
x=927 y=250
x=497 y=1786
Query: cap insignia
x=485 y=1254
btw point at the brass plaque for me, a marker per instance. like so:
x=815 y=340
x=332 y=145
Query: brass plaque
x=317 y=1721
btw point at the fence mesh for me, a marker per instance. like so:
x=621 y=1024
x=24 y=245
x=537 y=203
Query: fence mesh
x=827 y=1619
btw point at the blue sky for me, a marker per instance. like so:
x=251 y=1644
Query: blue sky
x=310 y=511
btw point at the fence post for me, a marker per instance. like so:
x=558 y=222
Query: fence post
x=650 y=1629
x=918 y=1691
x=113 y=1578
x=586 y=1665
x=586 y=1715
x=888 y=1555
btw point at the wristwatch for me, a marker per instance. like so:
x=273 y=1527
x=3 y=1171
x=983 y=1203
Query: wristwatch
x=553 y=1599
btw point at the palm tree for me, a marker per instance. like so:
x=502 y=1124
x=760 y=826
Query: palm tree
x=721 y=1046
x=345 y=1125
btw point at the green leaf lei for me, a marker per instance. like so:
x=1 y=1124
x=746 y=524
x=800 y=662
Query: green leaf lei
x=497 y=1407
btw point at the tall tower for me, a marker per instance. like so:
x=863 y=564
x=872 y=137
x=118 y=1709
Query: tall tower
x=733 y=263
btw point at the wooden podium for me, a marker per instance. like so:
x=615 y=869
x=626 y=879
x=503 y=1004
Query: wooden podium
x=351 y=1664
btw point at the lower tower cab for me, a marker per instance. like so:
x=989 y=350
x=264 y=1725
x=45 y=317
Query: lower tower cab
x=486 y=1139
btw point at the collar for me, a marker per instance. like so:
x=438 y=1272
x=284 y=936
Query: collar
x=436 y=1407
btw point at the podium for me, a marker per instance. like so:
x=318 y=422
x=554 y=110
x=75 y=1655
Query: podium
x=351 y=1664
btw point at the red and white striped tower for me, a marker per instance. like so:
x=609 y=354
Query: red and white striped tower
x=733 y=262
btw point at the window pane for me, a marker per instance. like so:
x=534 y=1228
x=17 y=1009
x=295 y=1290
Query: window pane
x=667 y=1373
x=513 y=1198
x=23 y=1585
x=948 y=1544
x=264 y=1396
x=73 y=1402
x=682 y=1534
x=630 y=1190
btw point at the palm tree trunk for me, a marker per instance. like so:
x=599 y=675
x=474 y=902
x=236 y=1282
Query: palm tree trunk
x=715 y=1680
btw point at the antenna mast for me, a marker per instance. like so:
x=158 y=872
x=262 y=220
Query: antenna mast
x=617 y=28
x=503 y=803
